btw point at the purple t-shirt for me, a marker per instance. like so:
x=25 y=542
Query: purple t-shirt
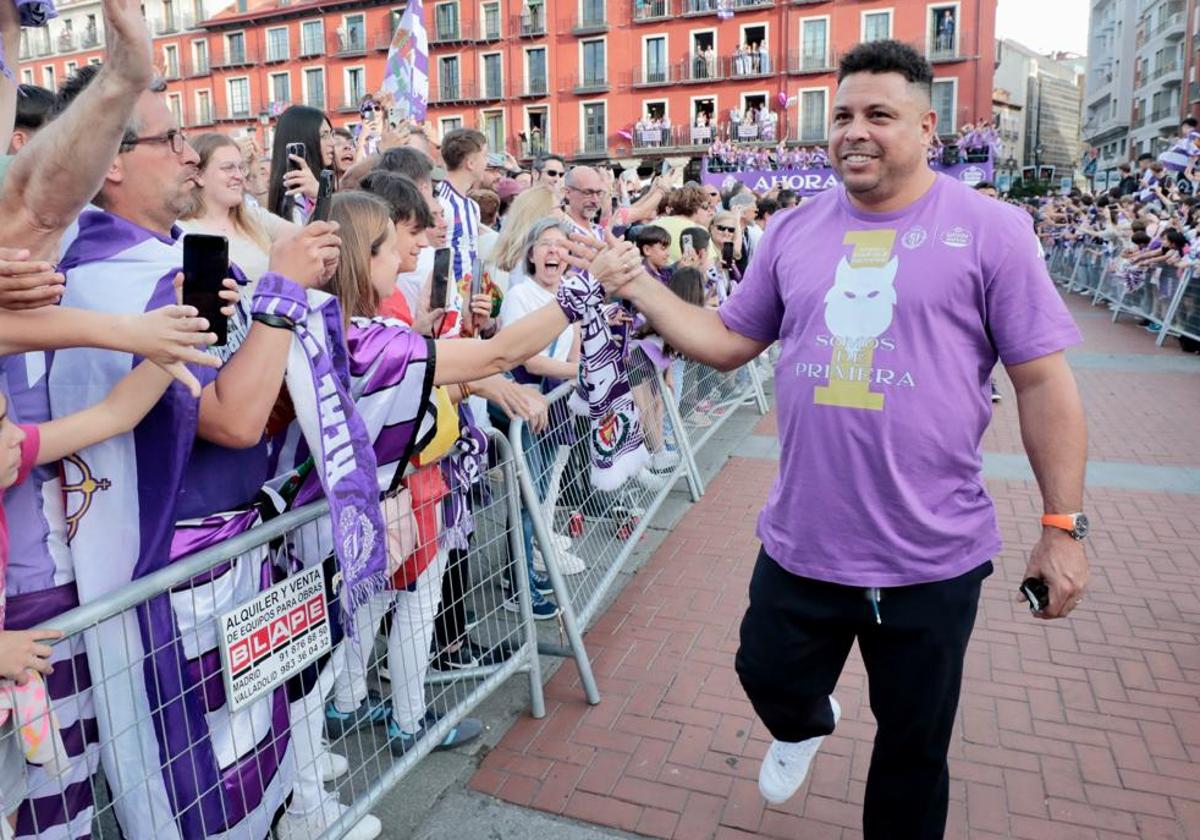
x=890 y=325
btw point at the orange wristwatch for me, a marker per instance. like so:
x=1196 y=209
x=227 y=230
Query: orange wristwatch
x=1075 y=524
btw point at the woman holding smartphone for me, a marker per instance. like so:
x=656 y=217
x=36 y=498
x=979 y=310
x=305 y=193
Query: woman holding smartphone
x=404 y=386
x=294 y=184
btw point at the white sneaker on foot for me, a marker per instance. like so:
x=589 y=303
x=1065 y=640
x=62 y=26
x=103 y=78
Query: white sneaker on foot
x=333 y=766
x=313 y=824
x=786 y=764
x=568 y=563
x=664 y=460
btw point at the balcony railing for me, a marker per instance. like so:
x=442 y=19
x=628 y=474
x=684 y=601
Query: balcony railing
x=278 y=52
x=942 y=48
x=174 y=22
x=695 y=8
x=491 y=89
x=802 y=61
x=592 y=147
x=1193 y=91
x=536 y=86
x=445 y=93
x=67 y=42
x=655 y=76
x=1171 y=67
x=529 y=149
x=91 y=38
x=348 y=43
x=197 y=117
x=44 y=47
x=699 y=69
x=1171 y=23
x=244 y=56
x=311 y=45
x=532 y=22
x=645 y=11
x=449 y=32
x=240 y=111
x=1163 y=113
x=590 y=83
x=591 y=21
x=193 y=69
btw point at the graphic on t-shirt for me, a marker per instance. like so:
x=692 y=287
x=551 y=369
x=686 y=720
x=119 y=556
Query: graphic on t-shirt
x=858 y=310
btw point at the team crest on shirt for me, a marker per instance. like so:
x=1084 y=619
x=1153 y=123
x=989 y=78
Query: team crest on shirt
x=914 y=237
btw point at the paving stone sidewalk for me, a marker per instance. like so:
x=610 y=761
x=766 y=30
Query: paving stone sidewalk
x=1081 y=729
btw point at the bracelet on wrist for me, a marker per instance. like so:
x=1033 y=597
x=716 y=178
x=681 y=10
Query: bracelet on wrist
x=276 y=321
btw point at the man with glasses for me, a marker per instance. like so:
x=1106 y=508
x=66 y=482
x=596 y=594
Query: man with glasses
x=550 y=170
x=585 y=196
x=190 y=460
x=714 y=198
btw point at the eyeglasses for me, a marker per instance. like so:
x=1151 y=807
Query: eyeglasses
x=724 y=229
x=588 y=193
x=174 y=138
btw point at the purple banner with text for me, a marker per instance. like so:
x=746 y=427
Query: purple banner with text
x=810 y=181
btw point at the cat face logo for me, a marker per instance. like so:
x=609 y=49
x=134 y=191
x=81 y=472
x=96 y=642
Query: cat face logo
x=914 y=237
x=859 y=305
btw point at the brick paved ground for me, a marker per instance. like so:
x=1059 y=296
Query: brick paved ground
x=1081 y=729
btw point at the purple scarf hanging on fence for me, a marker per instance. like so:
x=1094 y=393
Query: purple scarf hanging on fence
x=617 y=443
x=336 y=437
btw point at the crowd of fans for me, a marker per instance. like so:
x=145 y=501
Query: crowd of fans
x=179 y=443
x=1141 y=232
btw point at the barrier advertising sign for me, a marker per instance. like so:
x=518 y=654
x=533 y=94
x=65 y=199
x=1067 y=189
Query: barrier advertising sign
x=811 y=181
x=273 y=636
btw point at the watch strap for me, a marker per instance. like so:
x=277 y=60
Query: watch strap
x=1063 y=521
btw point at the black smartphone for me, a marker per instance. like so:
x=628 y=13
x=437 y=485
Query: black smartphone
x=297 y=149
x=727 y=254
x=1037 y=593
x=324 y=197
x=441 y=279
x=205 y=267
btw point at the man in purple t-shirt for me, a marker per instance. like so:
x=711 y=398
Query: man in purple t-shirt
x=892 y=296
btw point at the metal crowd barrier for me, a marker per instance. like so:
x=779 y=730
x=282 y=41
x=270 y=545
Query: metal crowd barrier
x=583 y=536
x=1167 y=296
x=253 y=746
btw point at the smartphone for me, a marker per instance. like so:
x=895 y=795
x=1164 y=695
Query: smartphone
x=685 y=244
x=727 y=254
x=441 y=279
x=297 y=149
x=205 y=267
x=1037 y=593
x=324 y=197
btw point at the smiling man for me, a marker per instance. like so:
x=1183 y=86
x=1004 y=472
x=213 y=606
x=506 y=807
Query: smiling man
x=892 y=296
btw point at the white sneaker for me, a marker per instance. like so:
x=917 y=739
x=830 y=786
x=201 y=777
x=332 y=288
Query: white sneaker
x=307 y=826
x=563 y=542
x=333 y=766
x=568 y=563
x=786 y=764
x=649 y=480
x=664 y=460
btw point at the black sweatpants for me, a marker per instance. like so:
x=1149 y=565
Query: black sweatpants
x=795 y=638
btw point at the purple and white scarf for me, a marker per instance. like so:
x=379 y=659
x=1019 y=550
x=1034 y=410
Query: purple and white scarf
x=318 y=380
x=618 y=447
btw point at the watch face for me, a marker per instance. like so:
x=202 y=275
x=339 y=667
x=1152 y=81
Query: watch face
x=1081 y=526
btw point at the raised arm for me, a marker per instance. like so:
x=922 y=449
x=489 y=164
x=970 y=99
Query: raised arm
x=10 y=34
x=694 y=331
x=63 y=166
x=466 y=359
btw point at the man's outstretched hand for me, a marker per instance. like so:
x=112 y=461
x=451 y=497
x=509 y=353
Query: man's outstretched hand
x=614 y=262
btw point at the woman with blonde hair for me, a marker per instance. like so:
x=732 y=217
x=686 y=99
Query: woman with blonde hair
x=507 y=265
x=395 y=377
x=221 y=209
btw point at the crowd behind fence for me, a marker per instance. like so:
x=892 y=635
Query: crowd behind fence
x=249 y=732
x=1165 y=297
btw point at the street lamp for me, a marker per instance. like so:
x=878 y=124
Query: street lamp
x=1037 y=162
